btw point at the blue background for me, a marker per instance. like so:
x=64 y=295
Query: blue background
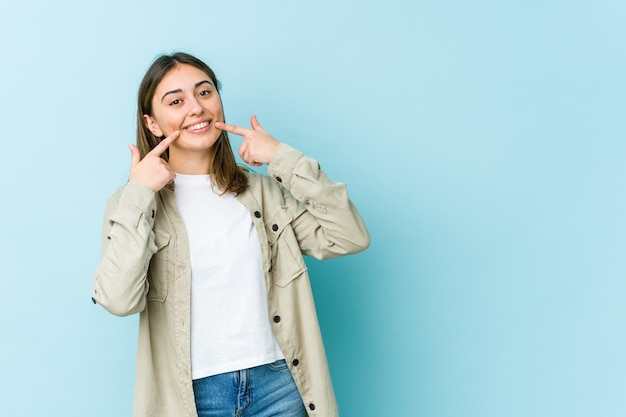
x=483 y=142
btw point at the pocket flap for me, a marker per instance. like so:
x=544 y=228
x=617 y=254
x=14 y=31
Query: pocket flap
x=275 y=224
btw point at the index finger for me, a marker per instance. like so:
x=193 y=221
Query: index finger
x=237 y=130
x=164 y=144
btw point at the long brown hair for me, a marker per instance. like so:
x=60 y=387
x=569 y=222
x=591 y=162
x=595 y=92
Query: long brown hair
x=227 y=175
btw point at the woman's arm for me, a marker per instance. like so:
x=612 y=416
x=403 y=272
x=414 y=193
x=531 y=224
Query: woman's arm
x=325 y=222
x=120 y=282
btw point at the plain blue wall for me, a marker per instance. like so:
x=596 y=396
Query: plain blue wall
x=483 y=141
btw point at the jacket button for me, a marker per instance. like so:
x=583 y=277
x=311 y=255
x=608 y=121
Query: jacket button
x=270 y=270
x=311 y=406
x=257 y=214
x=295 y=362
x=279 y=179
x=275 y=227
x=153 y=214
x=93 y=300
x=276 y=319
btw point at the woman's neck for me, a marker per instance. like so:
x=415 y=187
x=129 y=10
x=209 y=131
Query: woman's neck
x=190 y=163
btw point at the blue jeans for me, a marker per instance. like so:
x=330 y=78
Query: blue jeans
x=262 y=391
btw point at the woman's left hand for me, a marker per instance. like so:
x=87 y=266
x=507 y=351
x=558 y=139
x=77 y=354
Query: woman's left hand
x=258 y=146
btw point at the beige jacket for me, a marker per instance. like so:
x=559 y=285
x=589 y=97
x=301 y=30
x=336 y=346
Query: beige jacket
x=145 y=268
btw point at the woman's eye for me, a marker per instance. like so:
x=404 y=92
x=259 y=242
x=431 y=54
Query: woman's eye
x=175 y=102
x=205 y=92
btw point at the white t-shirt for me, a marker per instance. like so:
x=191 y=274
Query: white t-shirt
x=230 y=326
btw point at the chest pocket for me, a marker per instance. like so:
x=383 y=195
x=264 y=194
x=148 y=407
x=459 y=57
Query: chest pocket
x=287 y=261
x=159 y=269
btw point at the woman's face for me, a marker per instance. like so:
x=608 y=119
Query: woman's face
x=186 y=100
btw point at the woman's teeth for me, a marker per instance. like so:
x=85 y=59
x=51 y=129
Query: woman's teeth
x=197 y=126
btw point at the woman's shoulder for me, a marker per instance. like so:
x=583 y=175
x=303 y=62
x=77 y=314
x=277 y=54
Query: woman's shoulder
x=262 y=182
x=132 y=192
x=265 y=189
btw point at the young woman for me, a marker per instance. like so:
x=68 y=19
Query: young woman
x=210 y=255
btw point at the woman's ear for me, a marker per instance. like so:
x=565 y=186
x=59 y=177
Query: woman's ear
x=152 y=125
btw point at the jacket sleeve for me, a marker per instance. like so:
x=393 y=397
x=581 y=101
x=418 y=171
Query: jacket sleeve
x=120 y=282
x=325 y=221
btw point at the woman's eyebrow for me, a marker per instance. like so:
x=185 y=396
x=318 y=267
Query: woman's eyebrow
x=179 y=90
x=198 y=84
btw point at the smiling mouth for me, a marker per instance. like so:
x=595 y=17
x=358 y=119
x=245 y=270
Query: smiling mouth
x=198 y=126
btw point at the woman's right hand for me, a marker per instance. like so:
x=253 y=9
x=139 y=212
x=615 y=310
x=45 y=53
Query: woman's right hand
x=152 y=171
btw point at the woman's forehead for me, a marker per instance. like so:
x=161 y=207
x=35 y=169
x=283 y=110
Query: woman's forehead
x=183 y=76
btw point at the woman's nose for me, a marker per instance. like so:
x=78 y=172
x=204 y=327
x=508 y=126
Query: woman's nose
x=195 y=108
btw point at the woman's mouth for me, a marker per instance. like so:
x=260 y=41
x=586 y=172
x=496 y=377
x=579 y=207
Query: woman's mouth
x=198 y=126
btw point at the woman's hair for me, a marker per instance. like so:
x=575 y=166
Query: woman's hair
x=227 y=175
